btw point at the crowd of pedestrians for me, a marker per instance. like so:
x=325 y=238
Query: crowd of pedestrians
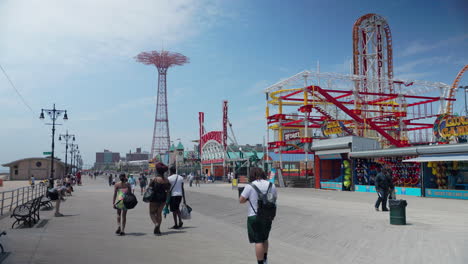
x=163 y=194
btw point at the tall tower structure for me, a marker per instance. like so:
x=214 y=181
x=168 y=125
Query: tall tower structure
x=163 y=60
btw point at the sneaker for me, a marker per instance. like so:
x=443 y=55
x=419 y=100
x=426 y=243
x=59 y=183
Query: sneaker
x=385 y=209
x=181 y=224
x=174 y=227
x=376 y=209
x=117 y=232
x=58 y=215
x=122 y=233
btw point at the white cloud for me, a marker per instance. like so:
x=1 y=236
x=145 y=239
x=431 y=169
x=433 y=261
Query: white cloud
x=424 y=62
x=258 y=88
x=417 y=46
x=56 y=35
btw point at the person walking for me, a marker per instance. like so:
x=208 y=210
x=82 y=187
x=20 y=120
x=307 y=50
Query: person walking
x=110 y=179
x=33 y=181
x=197 y=180
x=258 y=228
x=190 y=178
x=114 y=180
x=120 y=190
x=143 y=181
x=177 y=194
x=382 y=185
x=160 y=186
x=132 y=182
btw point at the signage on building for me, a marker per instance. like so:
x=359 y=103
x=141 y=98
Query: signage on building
x=333 y=128
x=47 y=153
x=294 y=135
x=447 y=126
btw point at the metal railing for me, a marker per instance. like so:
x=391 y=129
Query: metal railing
x=9 y=200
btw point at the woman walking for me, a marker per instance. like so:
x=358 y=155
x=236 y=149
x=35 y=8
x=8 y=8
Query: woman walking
x=120 y=189
x=160 y=186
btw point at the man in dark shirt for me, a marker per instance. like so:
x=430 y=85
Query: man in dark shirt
x=382 y=185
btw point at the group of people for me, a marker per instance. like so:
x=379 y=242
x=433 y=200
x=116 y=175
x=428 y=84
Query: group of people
x=165 y=191
x=142 y=181
x=191 y=178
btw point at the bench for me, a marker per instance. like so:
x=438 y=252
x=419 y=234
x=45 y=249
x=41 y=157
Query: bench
x=27 y=213
x=45 y=201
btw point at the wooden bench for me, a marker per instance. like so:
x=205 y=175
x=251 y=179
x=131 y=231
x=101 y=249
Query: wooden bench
x=27 y=213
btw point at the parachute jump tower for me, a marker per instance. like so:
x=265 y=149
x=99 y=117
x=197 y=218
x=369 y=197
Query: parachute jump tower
x=162 y=60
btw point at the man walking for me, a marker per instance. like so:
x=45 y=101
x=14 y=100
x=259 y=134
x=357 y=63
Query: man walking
x=190 y=178
x=259 y=220
x=177 y=194
x=382 y=185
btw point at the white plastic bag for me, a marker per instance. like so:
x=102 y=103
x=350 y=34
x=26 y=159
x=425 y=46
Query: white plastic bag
x=185 y=212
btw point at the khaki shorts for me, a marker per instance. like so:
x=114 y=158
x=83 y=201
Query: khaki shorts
x=258 y=229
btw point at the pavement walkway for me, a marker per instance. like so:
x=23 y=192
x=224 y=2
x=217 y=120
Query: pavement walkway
x=312 y=226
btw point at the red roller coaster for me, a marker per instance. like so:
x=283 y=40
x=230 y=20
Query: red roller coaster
x=369 y=103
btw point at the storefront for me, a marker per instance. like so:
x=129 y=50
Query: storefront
x=429 y=171
x=333 y=168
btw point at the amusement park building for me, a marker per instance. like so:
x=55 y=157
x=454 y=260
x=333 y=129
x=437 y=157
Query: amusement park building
x=354 y=126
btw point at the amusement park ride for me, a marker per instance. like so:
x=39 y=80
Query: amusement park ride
x=369 y=103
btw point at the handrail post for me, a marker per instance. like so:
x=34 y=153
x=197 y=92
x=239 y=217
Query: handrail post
x=12 y=198
x=3 y=200
x=22 y=199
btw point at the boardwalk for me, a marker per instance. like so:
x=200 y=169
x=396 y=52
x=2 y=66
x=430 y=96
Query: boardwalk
x=313 y=226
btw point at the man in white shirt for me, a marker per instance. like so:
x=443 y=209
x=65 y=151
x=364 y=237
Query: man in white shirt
x=177 y=193
x=258 y=228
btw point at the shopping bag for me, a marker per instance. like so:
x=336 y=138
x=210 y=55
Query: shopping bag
x=185 y=212
x=166 y=210
x=148 y=195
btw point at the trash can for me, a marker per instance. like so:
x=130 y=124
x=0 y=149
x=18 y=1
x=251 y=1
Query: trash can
x=397 y=212
x=240 y=189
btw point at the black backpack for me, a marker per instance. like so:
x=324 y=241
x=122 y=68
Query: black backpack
x=130 y=201
x=266 y=205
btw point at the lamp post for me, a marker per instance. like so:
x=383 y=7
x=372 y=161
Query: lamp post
x=73 y=151
x=66 y=137
x=53 y=114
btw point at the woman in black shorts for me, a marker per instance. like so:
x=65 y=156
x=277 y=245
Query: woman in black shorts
x=160 y=186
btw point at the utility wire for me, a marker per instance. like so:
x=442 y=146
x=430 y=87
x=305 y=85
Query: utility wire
x=16 y=90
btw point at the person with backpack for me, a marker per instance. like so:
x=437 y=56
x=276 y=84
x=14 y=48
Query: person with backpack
x=120 y=190
x=159 y=187
x=177 y=194
x=261 y=196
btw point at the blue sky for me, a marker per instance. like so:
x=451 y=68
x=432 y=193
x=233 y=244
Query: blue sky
x=80 y=55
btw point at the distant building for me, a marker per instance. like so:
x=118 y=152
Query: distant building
x=138 y=155
x=106 y=159
x=23 y=169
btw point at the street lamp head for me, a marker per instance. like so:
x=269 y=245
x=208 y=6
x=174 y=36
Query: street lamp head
x=65 y=117
x=42 y=114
